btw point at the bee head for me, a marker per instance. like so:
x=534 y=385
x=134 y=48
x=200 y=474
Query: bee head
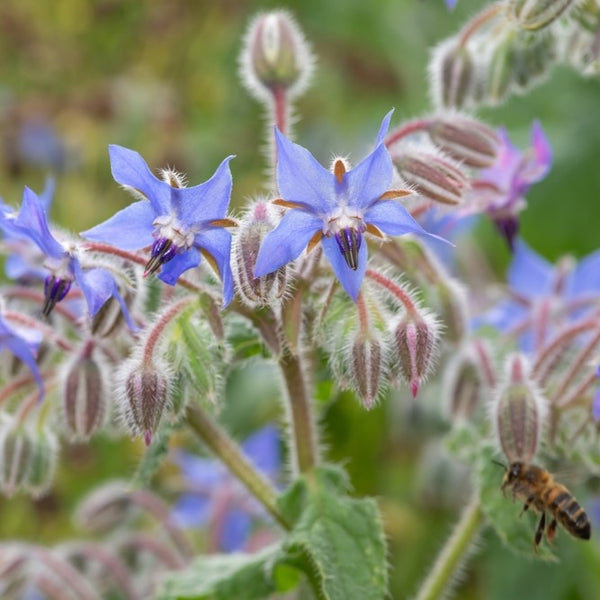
x=513 y=471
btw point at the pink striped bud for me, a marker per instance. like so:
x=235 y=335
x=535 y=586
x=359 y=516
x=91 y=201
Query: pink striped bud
x=42 y=463
x=16 y=448
x=366 y=369
x=452 y=308
x=519 y=411
x=463 y=387
x=275 y=56
x=84 y=398
x=416 y=338
x=105 y=508
x=253 y=228
x=431 y=175
x=465 y=139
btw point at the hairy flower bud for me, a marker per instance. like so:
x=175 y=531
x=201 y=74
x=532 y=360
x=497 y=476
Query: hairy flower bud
x=366 y=367
x=518 y=412
x=275 y=56
x=252 y=229
x=105 y=508
x=452 y=70
x=452 y=308
x=147 y=395
x=465 y=139
x=16 y=447
x=42 y=463
x=431 y=175
x=416 y=337
x=463 y=387
x=537 y=14
x=84 y=398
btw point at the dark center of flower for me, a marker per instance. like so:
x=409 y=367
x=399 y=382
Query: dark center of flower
x=163 y=250
x=55 y=289
x=349 y=240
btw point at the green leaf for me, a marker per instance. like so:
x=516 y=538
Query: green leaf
x=338 y=541
x=503 y=514
x=223 y=577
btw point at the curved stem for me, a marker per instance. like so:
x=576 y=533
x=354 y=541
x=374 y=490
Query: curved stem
x=453 y=553
x=481 y=19
x=230 y=454
x=406 y=129
x=394 y=289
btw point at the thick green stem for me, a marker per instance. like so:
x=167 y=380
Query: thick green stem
x=453 y=553
x=301 y=416
x=230 y=454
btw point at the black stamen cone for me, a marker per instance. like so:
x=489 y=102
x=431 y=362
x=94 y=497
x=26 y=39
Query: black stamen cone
x=55 y=289
x=163 y=250
x=349 y=241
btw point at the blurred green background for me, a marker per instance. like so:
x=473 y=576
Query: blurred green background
x=161 y=78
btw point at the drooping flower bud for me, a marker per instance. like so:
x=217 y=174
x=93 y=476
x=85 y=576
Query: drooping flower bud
x=16 y=447
x=465 y=139
x=275 y=56
x=147 y=392
x=415 y=336
x=366 y=368
x=85 y=398
x=463 y=387
x=453 y=74
x=581 y=49
x=452 y=308
x=519 y=411
x=42 y=462
x=534 y=15
x=431 y=174
x=253 y=227
x=105 y=508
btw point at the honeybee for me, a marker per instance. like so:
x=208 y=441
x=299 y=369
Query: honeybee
x=537 y=488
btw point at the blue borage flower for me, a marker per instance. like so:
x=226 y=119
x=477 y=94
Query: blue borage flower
x=62 y=262
x=336 y=209
x=215 y=498
x=177 y=222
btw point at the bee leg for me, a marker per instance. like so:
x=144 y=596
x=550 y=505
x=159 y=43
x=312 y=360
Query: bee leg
x=551 y=531
x=539 y=531
x=529 y=500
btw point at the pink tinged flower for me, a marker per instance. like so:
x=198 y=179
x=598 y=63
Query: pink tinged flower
x=335 y=209
x=178 y=223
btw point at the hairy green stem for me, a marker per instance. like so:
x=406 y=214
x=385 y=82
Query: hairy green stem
x=217 y=439
x=453 y=553
x=301 y=415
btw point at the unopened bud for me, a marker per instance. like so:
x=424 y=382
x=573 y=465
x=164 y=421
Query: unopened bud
x=465 y=139
x=581 y=49
x=452 y=70
x=502 y=68
x=453 y=310
x=537 y=14
x=42 y=463
x=366 y=366
x=462 y=387
x=416 y=338
x=147 y=396
x=432 y=175
x=84 y=398
x=275 y=56
x=105 y=508
x=252 y=229
x=16 y=448
x=518 y=412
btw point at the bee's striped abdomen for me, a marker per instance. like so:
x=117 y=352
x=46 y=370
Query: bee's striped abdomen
x=568 y=512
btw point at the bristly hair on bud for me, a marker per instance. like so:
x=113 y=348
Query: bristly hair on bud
x=534 y=15
x=104 y=508
x=42 y=462
x=16 y=448
x=367 y=365
x=257 y=222
x=518 y=411
x=275 y=56
x=416 y=339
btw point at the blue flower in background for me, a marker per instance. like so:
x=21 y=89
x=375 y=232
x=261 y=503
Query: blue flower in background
x=214 y=498
x=23 y=342
x=39 y=145
x=64 y=267
x=596 y=400
x=335 y=209
x=451 y=4
x=541 y=293
x=177 y=222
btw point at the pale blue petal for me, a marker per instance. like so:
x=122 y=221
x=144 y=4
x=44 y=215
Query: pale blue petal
x=383 y=128
x=47 y=195
x=199 y=471
x=370 y=179
x=302 y=179
x=130 y=169
x=217 y=241
x=180 y=263
x=33 y=222
x=129 y=229
x=262 y=448
x=350 y=280
x=97 y=285
x=529 y=274
x=235 y=529
x=503 y=316
x=23 y=349
x=191 y=510
x=542 y=152
x=207 y=201
x=585 y=278
x=286 y=242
